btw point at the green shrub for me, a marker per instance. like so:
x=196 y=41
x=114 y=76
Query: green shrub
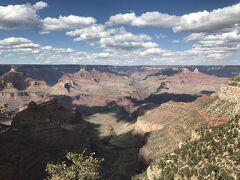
x=81 y=167
x=3 y=84
x=6 y=112
x=237 y=78
x=233 y=84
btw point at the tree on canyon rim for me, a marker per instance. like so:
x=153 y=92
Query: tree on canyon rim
x=79 y=166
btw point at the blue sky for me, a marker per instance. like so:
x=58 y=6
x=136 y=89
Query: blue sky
x=126 y=32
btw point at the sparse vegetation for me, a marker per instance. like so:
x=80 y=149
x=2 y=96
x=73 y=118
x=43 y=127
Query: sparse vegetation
x=235 y=81
x=233 y=84
x=6 y=112
x=113 y=134
x=215 y=155
x=79 y=167
x=219 y=108
x=179 y=120
x=3 y=84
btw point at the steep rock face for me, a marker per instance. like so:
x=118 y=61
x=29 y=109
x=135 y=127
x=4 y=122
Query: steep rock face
x=166 y=126
x=166 y=115
x=50 y=112
x=93 y=85
x=21 y=81
x=19 y=99
x=21 y=158
x=17 y=79
x=14 y=94
x=21 y=88
x=148 y=72
x=227 y=103
x=90 y=77
x=231 y=94
x=8 y=95
x=145 y=73
x=32 y=83
x=46 y=123
x=39 y=134
x=171 y=123
x=196 y=77
x=177 y=81
x=91 y=104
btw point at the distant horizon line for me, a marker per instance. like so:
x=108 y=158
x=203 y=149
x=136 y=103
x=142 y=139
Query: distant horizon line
x=113 y=65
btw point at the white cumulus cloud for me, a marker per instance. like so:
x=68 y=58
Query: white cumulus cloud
x=195 y=37
x=202 y=21
x=155 y=19
x=20 y=16
x=15 y=44
x=113 y=39
x=40 y=5
x=65 y=23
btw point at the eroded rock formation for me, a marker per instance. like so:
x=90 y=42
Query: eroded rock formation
x=39 y=134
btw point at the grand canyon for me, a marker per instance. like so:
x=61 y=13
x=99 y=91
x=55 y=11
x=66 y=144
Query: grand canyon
x=119 y=90
x=130 y=116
